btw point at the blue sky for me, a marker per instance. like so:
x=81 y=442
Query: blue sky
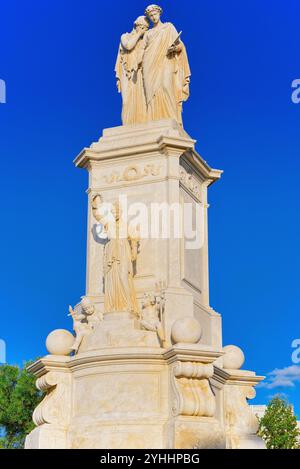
x=57 y=59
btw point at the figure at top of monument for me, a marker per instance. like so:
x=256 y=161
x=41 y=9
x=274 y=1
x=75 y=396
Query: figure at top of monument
x=129 y=73
x=152 y=70
x=166 y=71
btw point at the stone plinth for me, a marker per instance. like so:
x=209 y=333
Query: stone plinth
x=137 y=397
x=118 y=331
x=142 y=397
x=135 y=381
x=155 y=163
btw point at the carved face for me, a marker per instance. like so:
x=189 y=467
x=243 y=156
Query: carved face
x=87 y=306
x=141 y=24
x=152 y=300
x=141 y=27
x=149 y=300
x=88 y=309
x=154 y=16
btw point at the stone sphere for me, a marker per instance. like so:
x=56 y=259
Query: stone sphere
x=186 y=330
x=234 y=357
x=59 y=342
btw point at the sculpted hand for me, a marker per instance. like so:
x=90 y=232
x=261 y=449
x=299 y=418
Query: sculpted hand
x=141 y=30
x=173 y=49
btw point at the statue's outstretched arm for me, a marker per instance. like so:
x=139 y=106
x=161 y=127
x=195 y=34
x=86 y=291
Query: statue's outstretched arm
x=134 y=238
x=134 y=249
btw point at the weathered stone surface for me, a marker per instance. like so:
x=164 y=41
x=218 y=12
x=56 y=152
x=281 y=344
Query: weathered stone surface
x=128 y=385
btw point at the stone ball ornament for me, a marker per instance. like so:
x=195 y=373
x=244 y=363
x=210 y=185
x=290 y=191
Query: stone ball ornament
x=234 y=357
x=186 y=330
x=59 y=342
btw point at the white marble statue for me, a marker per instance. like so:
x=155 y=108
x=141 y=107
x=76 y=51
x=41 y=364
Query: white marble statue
x=129 y=73
x=165 y=66
x=82 y=323
x=155 y=58
x=120 y=252
x=153 y=373
x=152 y=315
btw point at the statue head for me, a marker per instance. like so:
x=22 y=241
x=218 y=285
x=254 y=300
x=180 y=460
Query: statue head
x=87 y=306
x=149 y=300
x=142 y=23
x=153 y=13
x=152 y=299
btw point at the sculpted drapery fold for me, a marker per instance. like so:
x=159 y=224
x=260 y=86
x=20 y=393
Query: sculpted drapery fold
x=152 y=71
x=129 y=74
x=120 y=251
x=118 y=273
x=166 y=76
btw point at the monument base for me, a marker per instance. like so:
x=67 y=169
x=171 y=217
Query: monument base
x=138 y=397
x=159 y=378
x=118 y=330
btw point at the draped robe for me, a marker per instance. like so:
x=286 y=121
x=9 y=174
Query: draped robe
x=118 y=271
x=166 y=78
x=130 y=82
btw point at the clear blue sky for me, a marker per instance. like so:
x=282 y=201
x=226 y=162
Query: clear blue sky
x=57 y=58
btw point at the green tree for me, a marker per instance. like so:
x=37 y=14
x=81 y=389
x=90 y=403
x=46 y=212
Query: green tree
x=278 y=426
x=18 y=398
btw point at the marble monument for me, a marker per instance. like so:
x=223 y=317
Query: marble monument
x=145 y=366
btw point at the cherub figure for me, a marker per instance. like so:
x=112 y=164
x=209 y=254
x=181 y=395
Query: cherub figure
x=151 y=316
x=82 y=324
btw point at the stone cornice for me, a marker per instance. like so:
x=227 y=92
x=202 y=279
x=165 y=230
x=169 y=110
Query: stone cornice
x=236 y=377
x=165 y=138
x=181 y=352
x=195 y=353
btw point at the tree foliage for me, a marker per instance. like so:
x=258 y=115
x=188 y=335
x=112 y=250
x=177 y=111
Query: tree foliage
x=278 y=426
x=18 y=398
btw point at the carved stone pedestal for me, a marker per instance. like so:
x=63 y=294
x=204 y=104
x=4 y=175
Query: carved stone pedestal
x=118 y=330
x=127 y=398
x=142 y=397
x=154 y=375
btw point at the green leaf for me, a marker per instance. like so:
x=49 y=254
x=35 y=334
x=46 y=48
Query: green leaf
x=18 y=399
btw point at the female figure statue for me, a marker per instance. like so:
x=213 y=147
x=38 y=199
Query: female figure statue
x=120 y=252
x=129 y=73
x=166 y=72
